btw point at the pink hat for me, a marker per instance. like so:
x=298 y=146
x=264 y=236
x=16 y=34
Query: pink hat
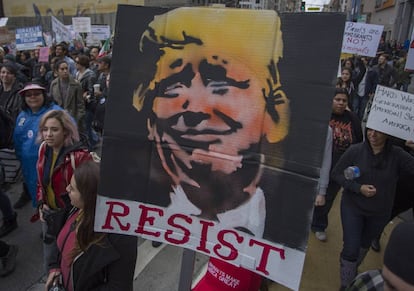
x=31 y=87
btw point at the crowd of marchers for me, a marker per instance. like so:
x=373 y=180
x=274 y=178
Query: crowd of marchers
x=374 y=170
x=52 y=115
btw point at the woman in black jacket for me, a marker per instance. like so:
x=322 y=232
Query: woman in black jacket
x=367 y=199
x=91 y=260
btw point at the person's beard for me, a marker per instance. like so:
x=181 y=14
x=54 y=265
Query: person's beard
x=218 y=191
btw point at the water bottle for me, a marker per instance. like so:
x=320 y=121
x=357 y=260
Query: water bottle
x=352 y=172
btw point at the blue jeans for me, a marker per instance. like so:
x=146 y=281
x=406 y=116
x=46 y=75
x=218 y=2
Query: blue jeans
x=5 y=206
x=93 y=137
x=50 y=251
x=320 y=213
x=359 y=230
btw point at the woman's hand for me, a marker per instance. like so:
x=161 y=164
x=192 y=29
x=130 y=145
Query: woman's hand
x=320 y=200
x=368 y=190
x=44 y=207
x=53 y=276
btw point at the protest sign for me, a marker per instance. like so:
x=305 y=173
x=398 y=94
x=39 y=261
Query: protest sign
x=392 y=112
x=99 y=33
x=81 y=24
x=361 y=38
x=28 y=38
x=3 y=21
x=61 y=33
x=44 y=54
x=409 y=65
x=209 y=142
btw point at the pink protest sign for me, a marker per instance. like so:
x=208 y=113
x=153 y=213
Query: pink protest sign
x=44 y=54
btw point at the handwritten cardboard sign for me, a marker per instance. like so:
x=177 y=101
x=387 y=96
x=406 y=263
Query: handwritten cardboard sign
x=361 y=38
x=392 y=112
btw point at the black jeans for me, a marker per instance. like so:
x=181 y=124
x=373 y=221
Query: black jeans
x=320 y=213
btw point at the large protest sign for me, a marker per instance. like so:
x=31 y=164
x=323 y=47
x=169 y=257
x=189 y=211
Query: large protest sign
x=214 y=132
x=361 y=38
x=392 y=112
x=60 y=31
x=28 y=38
x=409 y=65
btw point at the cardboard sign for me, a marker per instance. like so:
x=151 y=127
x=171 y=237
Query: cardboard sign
x=28 y=38
x=3 y=21
x=61 y=33
x=409 y=65
x=81 y=24
x=361 y=38
x=210 y=143
x=392 y=112
x=44 y=54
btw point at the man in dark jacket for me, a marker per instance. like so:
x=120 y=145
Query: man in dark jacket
x=365 y=83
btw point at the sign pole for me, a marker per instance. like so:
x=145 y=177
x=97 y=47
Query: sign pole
x=187 y=267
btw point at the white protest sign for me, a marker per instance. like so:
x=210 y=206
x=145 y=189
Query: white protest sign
x=392 y=112
x=3 y=21
x=81 y=24
x=361 y=38
x=101 y=32
x=60 y=31
x=409 y=65
x=28 y=38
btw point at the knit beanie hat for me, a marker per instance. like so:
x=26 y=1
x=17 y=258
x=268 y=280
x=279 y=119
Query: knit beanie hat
x=399 y=254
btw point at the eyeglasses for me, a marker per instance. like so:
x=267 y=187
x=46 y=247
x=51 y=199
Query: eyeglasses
x=33 y=94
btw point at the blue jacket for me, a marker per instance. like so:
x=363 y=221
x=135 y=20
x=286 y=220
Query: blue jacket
x=24 y=138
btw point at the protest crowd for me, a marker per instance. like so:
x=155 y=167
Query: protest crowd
x=52 y=115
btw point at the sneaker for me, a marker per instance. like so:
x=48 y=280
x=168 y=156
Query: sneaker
x=321 y=235
x=8 y=226
x=22 y=201
x=9 y=261
x=375 y=245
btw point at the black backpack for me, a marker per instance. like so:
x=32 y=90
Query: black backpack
x=6 y=129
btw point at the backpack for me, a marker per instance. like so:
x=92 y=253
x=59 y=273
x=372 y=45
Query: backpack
x=6 y=129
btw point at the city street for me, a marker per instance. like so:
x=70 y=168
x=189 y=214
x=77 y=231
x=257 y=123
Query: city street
x=158 y=269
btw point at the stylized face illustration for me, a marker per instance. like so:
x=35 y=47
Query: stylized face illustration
x=211 y=105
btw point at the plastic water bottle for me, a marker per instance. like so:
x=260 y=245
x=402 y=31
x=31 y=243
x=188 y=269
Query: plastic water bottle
x=352 y=172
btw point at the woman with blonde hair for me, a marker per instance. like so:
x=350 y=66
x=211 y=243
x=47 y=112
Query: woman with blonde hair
x=89 y=260
x=59 y=155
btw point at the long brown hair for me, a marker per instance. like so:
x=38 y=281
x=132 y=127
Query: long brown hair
x=87 y=179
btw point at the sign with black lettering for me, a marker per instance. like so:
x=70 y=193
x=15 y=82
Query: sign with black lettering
x=361 y=38
x=392 y=112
